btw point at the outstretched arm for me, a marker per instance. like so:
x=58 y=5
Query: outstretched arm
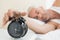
x=33 y=25
x=38 y=28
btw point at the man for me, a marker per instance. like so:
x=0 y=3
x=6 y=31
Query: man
x=36 y=13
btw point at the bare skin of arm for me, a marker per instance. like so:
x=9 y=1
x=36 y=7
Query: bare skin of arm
x=38 y=28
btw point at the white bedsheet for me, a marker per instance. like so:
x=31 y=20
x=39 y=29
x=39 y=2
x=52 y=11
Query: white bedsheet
x=53 y=35
x=5 y=36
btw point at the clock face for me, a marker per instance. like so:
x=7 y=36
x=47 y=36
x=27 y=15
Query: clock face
x=15 y=30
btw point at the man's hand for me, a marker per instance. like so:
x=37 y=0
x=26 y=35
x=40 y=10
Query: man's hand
x=12 y=14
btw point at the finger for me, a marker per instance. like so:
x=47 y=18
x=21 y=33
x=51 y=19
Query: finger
x=23 y=13
x=16 y=14
x=10 y=13
x=5 y=19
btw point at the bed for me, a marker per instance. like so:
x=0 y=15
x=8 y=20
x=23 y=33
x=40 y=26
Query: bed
x=52 y=35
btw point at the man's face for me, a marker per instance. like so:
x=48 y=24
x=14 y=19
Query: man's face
x=36 y=13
